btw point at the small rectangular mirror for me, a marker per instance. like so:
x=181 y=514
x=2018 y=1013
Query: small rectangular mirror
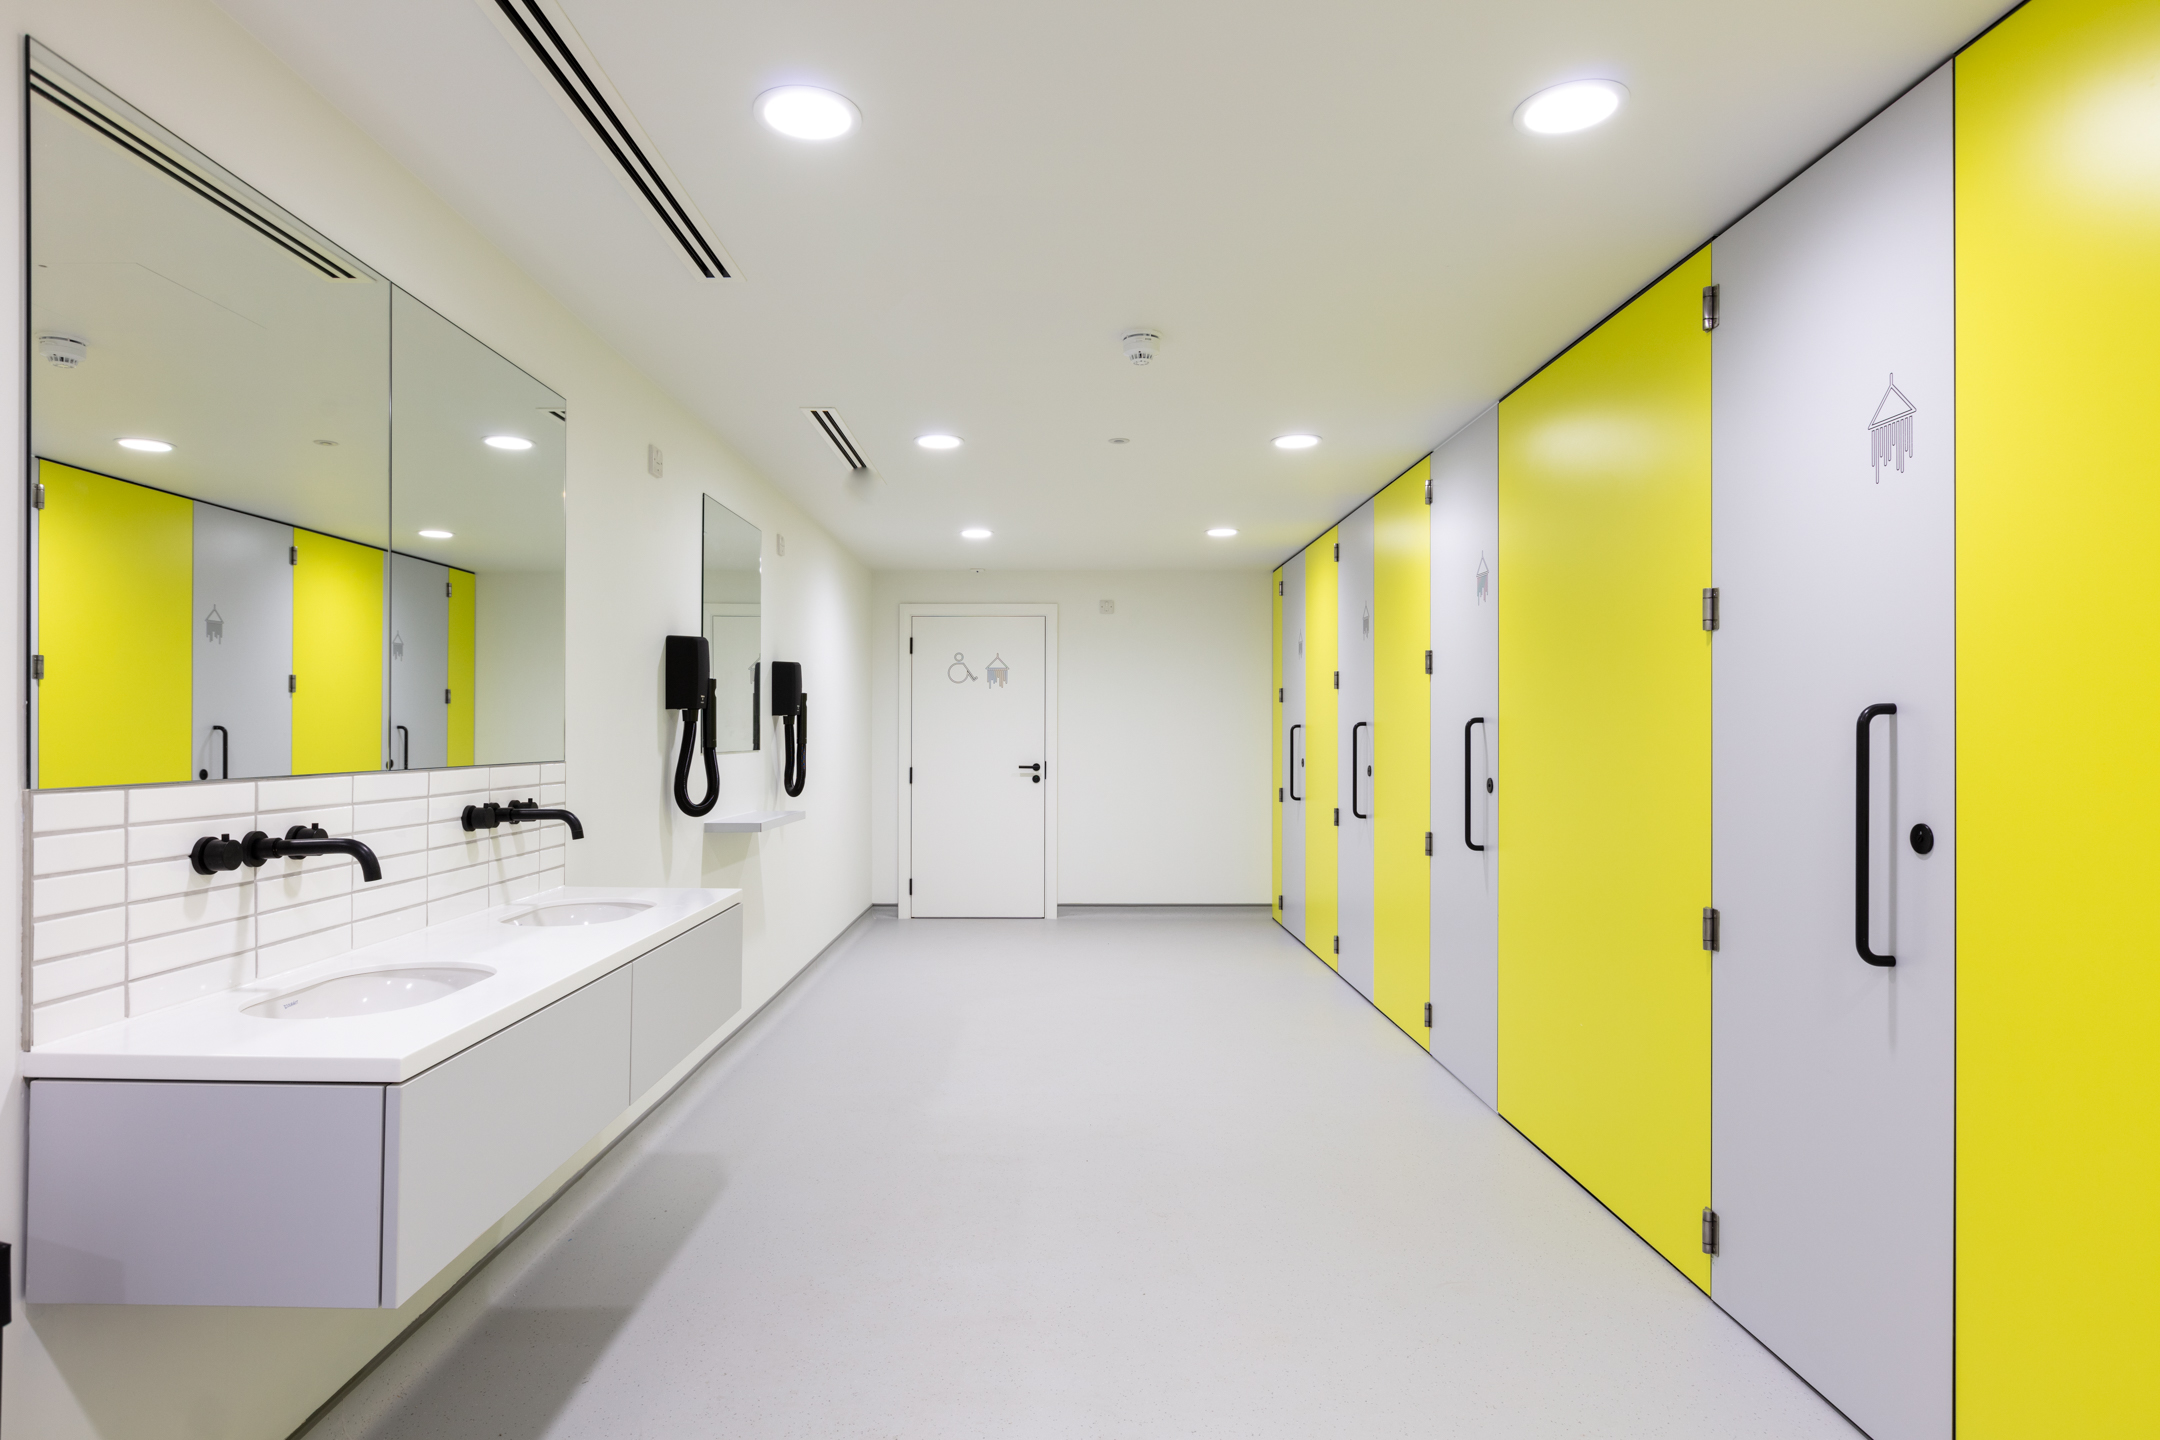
x=477 y=463
x=731 y=607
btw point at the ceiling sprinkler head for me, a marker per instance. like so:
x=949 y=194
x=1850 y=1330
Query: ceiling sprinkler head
x=1141 y=345
x=64 y=351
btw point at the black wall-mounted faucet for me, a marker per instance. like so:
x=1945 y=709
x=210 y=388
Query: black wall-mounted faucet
x=255 y=849
x=513 y=812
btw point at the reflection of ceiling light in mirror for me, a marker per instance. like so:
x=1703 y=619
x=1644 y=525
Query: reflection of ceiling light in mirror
x=1564 y=109
x=977 y=533
x=331 y=443
x=938 y=442
x=509 y=442
x=148 y=447
x=804 y=112
x=434 y=534
x=1121 y=440
x=1296 y=442
x=1221 y=532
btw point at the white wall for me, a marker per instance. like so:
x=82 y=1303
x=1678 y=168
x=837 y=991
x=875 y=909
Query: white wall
x=1163 y=721
x=119 y=1373
x=518 y=654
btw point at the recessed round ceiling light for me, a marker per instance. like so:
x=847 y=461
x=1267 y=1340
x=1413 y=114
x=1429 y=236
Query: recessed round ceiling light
x=804 y=112
x=1296 y=442
x=975 y=532
x=1221 y=532
x=1121 y=440
x=1577 y=105
x=148 y=447
x=509 y=442
x=938 y=442
x=435 y=534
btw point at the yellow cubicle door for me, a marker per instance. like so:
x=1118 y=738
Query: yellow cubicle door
x=1321 y=797
x=1275 y=745
x=464 y=592
x=115 y=570
x=1402 y=751
x=2058 y=779
x=1605 y=689
x=337 y=716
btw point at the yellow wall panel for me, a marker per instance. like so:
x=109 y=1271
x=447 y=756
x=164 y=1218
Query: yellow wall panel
x=464 y=590
x=1605 y=694
x=116 y=570
x=1275 y=749
x=2058 y=624
x=337 y=721
x=1402 y=751
x=1319 y=741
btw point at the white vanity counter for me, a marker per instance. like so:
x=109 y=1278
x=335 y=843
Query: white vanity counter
x=216 y=1038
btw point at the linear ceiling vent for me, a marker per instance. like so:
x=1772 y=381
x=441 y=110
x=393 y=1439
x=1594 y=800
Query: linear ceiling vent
x=559 y=57
x=835 y=430
x=82 y=99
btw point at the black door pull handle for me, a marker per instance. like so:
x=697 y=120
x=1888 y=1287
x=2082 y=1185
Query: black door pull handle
x=1294 y=766
x=1860 y=836
x=1354 y=771
x=1475 y=720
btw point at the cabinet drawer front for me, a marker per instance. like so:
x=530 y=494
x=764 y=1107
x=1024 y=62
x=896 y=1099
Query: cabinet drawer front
x=160 y=1193
x=685 y=990
x=473 y=1136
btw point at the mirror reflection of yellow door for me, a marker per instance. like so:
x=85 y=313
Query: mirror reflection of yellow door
x=464 y=592
x=337 y=655
x=115 y=591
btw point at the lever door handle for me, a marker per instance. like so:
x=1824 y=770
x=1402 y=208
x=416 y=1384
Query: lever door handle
x=1860 y=836
x=1036 y=767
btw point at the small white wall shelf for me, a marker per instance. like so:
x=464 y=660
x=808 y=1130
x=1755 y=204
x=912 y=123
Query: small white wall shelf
x=751 y=822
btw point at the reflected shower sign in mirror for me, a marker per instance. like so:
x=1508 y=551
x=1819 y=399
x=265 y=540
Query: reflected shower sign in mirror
x=476 y=567
x=209 y=426
x=731 y=609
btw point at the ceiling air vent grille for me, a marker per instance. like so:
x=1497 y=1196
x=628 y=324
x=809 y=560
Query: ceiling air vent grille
x=835 y=430
x=82 y=99
x=556 y=54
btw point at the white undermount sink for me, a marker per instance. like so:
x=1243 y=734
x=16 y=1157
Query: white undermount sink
x=588 y=912
x=371 y=992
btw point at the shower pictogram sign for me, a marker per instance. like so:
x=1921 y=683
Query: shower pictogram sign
x=998 y=672
x=214 y=626
x=1890 y=432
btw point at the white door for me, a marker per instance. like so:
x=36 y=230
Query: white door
x=1465 y=696
x=1292 y=780
x=1354 y=747
x=978 y=763
x=1833 y=548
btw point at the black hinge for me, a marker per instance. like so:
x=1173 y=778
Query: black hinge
x=1710 y=607
x=1428 y=662
x=1428 y=1014
x=1428 y=489
x=446 y=697
x=1278 y=902
x=446 y=589
x=1709 y=307
x=37 y=497
x=910 y=644
x=1278 y=795
x=1428 y=842
x=1278 y=587
x=37 y=667
x=911 y=774
x=1338 y=550
x=1338 y=679
x=1278 y=694
x=292 y=555
x=911 y=886
x=292 y=684
x=1709 y=928
x=1709 y=1231
x=1338 y=815
x=1338 y=944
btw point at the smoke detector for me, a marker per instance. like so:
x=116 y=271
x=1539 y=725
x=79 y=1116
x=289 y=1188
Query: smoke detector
x=1140 y=345
x=64 y=351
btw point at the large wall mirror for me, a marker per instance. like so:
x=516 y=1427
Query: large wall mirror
x=731 y=610
x=286 y=519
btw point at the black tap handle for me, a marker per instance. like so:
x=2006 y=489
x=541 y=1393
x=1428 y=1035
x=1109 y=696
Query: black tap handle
x=214 y=853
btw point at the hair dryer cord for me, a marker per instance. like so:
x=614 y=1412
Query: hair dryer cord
x=795 y=773
x=699 y=725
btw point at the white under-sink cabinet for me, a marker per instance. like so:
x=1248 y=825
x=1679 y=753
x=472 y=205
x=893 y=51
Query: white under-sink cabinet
x=148 y=1192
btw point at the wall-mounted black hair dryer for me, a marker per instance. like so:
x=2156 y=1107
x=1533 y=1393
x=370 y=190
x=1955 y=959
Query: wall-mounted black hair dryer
x=793 y=709
x=690 y=690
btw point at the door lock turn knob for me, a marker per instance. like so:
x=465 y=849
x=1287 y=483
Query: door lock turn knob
x=1923 y=839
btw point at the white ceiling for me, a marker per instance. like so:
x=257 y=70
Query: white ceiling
x=1325 y=211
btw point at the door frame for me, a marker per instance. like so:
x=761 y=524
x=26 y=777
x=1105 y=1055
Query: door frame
x=904 y=796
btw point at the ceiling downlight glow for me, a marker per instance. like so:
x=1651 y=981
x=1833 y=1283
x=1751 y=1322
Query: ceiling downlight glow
x=1577 y=105
x=435 y=534
x=148 y=447
x=1296 y=442
x=974 y=532
x=804 y=112
x=1221 y=532
x=509 y=442
x=938 y=442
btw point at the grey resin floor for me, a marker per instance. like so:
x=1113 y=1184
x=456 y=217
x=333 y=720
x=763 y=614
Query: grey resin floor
x=1132 y=1173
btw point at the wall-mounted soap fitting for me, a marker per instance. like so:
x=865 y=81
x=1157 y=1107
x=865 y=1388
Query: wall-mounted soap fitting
x=514 y=812
x=255 y=849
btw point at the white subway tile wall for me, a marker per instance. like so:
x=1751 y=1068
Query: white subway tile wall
x=120 y=923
